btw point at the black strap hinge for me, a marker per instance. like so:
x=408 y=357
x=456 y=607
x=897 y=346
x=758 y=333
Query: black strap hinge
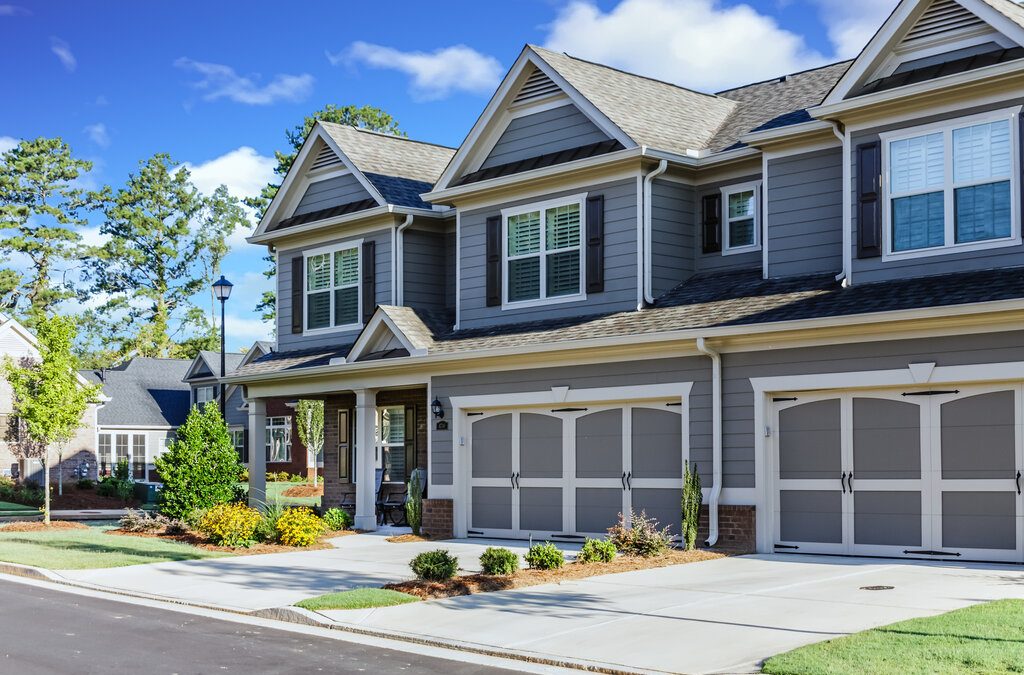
x=909 y=552
x=930 y=393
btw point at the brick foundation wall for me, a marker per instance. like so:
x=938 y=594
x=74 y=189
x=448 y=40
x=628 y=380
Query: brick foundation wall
x=736 y=527
x=437 y=518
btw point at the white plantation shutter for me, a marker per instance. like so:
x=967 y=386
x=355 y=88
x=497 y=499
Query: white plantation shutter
x=563 y=273
x=563 y=226
x=346 y=267
x=318 y=272
x=982 y=151
x=917 y=164
x=741 y=204
x=524 y=279
x=524 y=233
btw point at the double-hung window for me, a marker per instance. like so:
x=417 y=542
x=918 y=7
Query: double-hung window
x=543 y=259
x=741 y=221
x=391 y=432
x=204 y=394
x=279 y=439
x=952 y=186
x=332 y=288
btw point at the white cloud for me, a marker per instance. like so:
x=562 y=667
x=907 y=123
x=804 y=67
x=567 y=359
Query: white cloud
x=243 y=331
x=220 y=81
x=7 y=143
x=62 y=50
x=696 y=43
x=98 y=134
x=243 y=170
x=101 y=100
x=435 y=75
x=13 y=10
x=851 y=24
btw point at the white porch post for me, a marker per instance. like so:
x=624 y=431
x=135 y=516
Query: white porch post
x=366 y=461
x=257 y=451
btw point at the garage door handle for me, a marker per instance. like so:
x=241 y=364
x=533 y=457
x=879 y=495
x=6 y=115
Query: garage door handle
x=629 y=480
x=849 y=482
x=842 y=481
x=512 y=479
x=623 y=480
x=1018 y=482
x=517 y=480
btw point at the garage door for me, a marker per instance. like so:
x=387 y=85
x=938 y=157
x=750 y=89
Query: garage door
x=569 y=472
x=910 y=473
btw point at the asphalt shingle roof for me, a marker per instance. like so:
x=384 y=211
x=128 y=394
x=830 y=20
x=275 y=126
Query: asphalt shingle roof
x=941 y=70
x=145 y=392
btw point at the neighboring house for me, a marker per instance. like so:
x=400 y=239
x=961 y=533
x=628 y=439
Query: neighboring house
x=148 y=402
x=284 y=450
x=79 y=459
x=811 y=287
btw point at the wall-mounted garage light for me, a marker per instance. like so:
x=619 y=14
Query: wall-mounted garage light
x=437 y=409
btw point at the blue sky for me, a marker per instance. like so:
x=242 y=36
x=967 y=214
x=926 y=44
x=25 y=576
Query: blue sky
x=215 y=84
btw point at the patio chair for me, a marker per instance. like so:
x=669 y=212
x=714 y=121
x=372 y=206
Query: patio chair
x=395 y=502
x=348 y=501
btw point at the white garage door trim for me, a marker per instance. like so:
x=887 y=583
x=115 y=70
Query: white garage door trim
x=605 y=397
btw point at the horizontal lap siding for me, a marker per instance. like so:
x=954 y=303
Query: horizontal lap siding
x=425 y=281
x=619 y=261
x=716 y=262
x=673 y=234
x=330 y=192
x=805 y=214
x=541 y=133
x=286 y=340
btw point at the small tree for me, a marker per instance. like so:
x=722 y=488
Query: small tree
x=311 y=429
x=49 y=399
x=414 y=504
x=200 y=468
x=692 y=499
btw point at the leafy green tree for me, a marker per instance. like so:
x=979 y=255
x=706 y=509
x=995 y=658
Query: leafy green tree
x=49 y=399
x=222 y=214
x=364 y=117
x=310 y=419
x=41 y=212
x=200 y=468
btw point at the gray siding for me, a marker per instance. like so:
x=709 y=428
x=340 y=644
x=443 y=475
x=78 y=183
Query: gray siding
x=805 y=214
x=716 y=262
x=552 y=130
x=330 y=192
x=425 y=275
x=673 y=234
x=233 y=416
x=619 y=262
x=449 y=270
x=875 y=269
x=286 y=340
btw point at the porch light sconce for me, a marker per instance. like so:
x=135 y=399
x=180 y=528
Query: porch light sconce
x=437 y=409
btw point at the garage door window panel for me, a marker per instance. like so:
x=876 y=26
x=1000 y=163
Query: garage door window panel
x=809 y=441
x=656 y=444
x=492 y=447
x=978 y=437
x=540 y=449
x=886 y=439
x=599 y=445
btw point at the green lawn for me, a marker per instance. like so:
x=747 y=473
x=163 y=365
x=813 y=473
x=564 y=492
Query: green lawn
x=92 y=548
x=10 y=509
x=358 y=598
x=986 y=638
x=275 y=489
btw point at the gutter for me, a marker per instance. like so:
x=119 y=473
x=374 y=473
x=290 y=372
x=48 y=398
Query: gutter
x=716 y=438
x=397 y=262
x=648 y=295
x=844 y=137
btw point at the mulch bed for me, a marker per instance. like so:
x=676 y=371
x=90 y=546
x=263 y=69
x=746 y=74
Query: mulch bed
x=74 y=499
x=200 y=541
x=485 y=583
x=304 y=491
x=43 y=527
x=408 y=538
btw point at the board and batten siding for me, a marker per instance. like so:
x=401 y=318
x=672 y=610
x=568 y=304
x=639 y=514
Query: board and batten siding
x=805 y=214
x=867 y=270
x=717 y=262
x=619 y=261
x=425 y=278
x=329 y=192
x=540 y=133
x=673 y=234
x=286 y=340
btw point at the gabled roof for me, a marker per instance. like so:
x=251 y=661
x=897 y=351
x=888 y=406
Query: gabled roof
x=144 y=392
x=206 y=365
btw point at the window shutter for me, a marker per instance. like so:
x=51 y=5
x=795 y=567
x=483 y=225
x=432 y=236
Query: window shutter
x=712 y=223
x=869 y=203
x=410 y=441
x=493 y=261
x=369 y=279
x=595 y=244
x=298 y=298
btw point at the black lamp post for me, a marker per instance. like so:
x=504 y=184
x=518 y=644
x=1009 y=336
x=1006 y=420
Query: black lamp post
x=222 y=291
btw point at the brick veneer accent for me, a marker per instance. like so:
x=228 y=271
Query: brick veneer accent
x=437 y=518
x=736 y=527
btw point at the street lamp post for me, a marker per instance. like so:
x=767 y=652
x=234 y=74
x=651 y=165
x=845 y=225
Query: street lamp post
x=222 y=291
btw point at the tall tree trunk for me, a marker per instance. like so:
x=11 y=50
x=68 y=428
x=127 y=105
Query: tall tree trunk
x=46 y=491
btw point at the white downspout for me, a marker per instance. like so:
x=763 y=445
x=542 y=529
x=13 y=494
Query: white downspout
x=716 y=438
x=844 y=138
x=398 y=262
x=648 y=214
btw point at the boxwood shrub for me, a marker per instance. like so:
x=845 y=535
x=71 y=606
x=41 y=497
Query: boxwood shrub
x=545 y=556
x=499 y=561
x=439 y=565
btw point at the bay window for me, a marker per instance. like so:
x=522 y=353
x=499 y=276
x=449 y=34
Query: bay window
x=741 y=221
x=332 y=288
x=952 y=186
x=542 y=252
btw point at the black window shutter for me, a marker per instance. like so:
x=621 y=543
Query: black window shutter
x=595 y=244
x=369 y=279
x=869 y=200
x=712 y=223
x=298 y=299
x=494 y=261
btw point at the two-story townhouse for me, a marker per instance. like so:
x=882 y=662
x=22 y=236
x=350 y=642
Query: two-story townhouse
x=811 y=287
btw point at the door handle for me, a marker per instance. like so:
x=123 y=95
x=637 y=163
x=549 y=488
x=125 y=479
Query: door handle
x=512 y=479
x=623 y=480
x=1018 y=482
x=517 y=480
x=842 y=482
x=629 y=480
x=849 y=481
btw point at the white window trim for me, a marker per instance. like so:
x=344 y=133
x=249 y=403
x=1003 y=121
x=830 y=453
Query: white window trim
x=581 y=200
x=947 y=127
x=751 y=186
x=356 y=244
x=287 y=426
x=213 y=395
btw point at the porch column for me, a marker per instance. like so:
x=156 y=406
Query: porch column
x=366 y=461
x=257 y=452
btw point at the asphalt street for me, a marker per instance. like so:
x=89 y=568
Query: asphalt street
x=43 y=631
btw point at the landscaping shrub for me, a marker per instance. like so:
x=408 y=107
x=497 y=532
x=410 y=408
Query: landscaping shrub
x=6 y=482
x=296 y=478
x=243 y=475
x=283 y=477
x=229 y=524
x=120 y=488
x=86 y=484
x=544 y=556
x=266 y=531
x=691 y=501
x=499 y=561
x=176 y=527
x=414 y=505
x=596 y=550
x=337 y=519
x=643 y=539
x=299 y=527
x=439 y=565
x=141 y=521
x=20 y=494
x=200 y=468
